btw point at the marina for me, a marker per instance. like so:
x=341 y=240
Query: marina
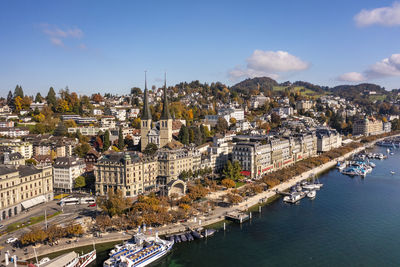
x=347 y=207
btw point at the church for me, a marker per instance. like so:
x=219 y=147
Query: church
x=149 y=134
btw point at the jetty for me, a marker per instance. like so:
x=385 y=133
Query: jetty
x=237 y=216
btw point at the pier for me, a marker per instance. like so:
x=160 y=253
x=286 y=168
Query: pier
x=237 y=216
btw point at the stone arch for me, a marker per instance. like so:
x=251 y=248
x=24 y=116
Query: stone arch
x=9 y=213
x=177 y=187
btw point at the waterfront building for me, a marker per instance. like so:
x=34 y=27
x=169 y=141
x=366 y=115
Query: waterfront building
x=22 y=187
x=173 y=159
x=367 y=126
x=327 y=139
x=66 y=170
x=129 y=172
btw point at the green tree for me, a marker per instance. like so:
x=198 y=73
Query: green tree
x=61 y=130
x=82 y=149
x=106 y=141
x=51 y=98
x=38 y=98
x=121 y=143
x=18 y=92
x=80 y=182
x=222 y=125
x=233 y=171
x=183 y=135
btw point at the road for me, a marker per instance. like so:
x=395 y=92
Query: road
x=69 y=213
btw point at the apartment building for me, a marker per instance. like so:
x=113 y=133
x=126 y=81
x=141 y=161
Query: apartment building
x=66 y=170
x=327 y=139
x=16 y=145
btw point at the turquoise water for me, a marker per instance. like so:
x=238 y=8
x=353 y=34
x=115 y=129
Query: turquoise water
x=351 y=222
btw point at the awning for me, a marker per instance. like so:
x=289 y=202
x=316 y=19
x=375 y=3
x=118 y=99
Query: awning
x=33 y=202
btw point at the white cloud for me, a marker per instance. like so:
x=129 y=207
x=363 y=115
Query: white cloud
x=386 y=67
x=56 y=41
x=270 y=64
x=386 y=16
x=56 y=35
x=352 y=77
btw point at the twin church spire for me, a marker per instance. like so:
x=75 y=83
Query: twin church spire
x=165 y=115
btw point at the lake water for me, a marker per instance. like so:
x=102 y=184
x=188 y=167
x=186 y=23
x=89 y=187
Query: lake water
x=351 y=222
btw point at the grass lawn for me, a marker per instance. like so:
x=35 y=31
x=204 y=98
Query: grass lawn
x=239 y=184
x=33 y=220
x=29 y=126
x=377 y=97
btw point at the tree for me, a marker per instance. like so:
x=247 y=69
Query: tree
x=233 y=198
x=233 y=171
x=232 y=121
x=51 y=98
x=98 y=144
x=115 y=204
x=183 y=135
x=150 y=149
x=80 y=182
x=18 y=92
x=136 y=123
x=106 y=141
x=228 y=183
x=18 y=103
x=222 y=125
x=10 y=98
x=82 y=149
x=121 y=143
x=38 y=98
x=275 y=118
x=61 y=130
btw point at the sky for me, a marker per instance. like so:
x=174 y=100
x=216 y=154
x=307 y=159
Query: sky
x=105 y=46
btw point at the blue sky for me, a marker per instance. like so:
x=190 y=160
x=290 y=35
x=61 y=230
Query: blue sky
x=104 y=46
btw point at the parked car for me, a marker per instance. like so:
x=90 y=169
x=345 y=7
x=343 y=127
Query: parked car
x=11 y=240
x=92 y=205
x=1 y=226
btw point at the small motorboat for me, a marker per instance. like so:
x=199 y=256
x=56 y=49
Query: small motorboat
x=312 y=194
x=183 y=238
x=196 y=235
x=392 y=172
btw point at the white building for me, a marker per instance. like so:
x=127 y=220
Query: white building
x=65 y=171
x=107 y=122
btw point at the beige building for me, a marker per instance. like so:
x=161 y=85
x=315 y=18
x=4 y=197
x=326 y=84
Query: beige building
x=16 y=145
x=22 y=187
x=304 y=105
x=173 y=159
x=126 y=171
x=328 y=139
x=367 y=126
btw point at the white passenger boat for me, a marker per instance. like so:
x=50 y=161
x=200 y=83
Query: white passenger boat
x=146 y=250
x=294 y=197
x=71 y=259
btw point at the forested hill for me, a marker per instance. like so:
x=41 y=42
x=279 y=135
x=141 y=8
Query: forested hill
x=249 y=85
x=353 y=91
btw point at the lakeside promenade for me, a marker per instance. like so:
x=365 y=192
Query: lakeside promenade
x=216 y=216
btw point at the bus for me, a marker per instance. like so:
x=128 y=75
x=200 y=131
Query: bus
x=77 y=201
x=69 y=201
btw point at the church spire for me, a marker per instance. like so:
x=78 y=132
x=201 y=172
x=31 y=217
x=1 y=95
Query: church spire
x=146 y=108
x=165 y=115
